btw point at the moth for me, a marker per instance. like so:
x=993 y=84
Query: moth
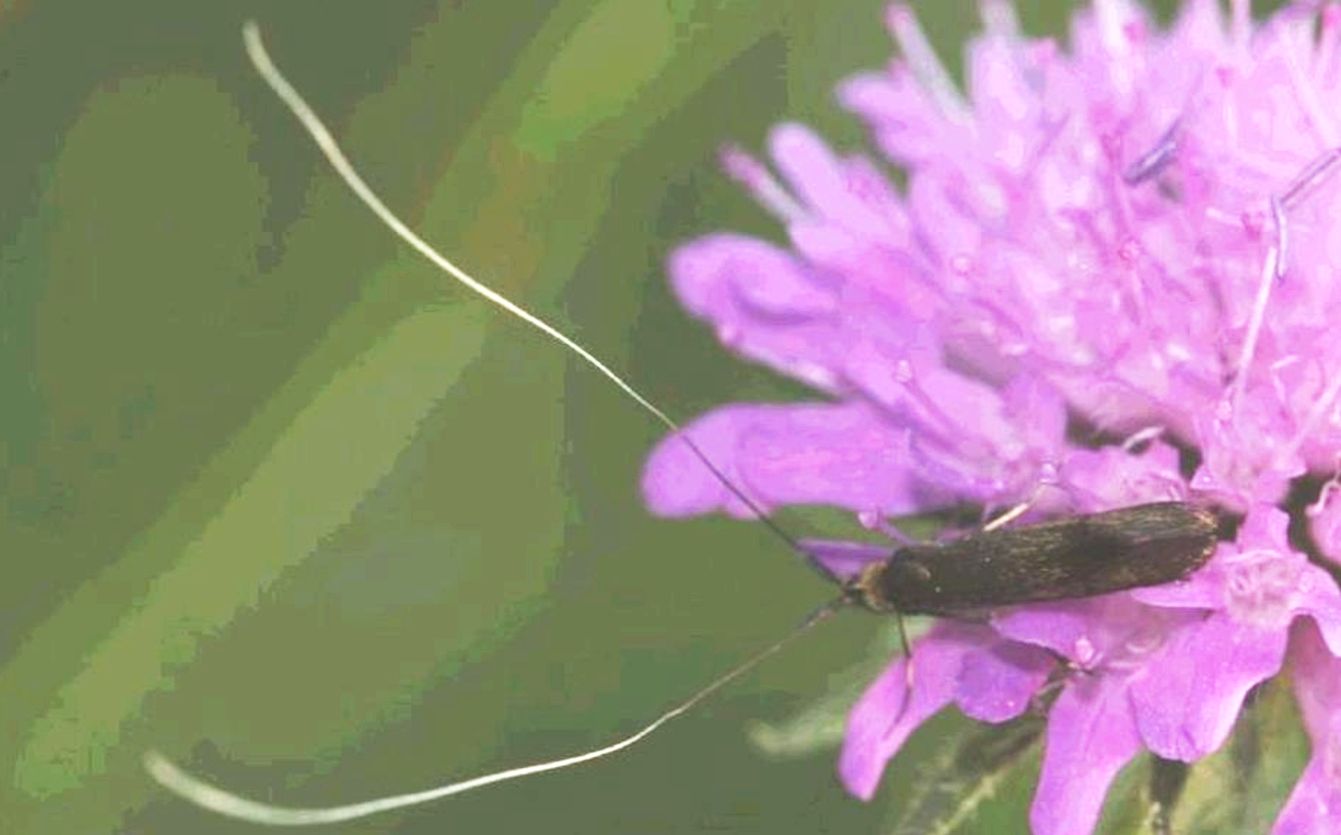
x=1075 y=556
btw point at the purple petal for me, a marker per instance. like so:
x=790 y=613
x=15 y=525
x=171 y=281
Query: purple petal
x=1003 y=95
x=1266 y=527
x=909 y=126
x=1081 y=630
x=1212 y=587
x=764 y=304
x=841 y=560
x=1315 y=804
x=951 y=229
x=1189 y=694
x=1112 y=477
x=1090 y=738
x=1198 y=28
x=1314 y=807
x=676 y=483
x=714 y=274
x=847 y=455
x=1240 y=458
x=1204 y=589
x=1001 y=681
x=827 y=184
x=889 y=711
x=1325 y=522
x=844 y=455
x=1317 y=680
x=972 y=442
x=1037 y=410
x=1318 y=596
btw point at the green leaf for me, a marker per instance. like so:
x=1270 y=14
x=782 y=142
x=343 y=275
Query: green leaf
x=1241 y=787
x=819 y=725
x=952 y=787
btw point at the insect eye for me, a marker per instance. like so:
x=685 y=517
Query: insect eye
x=915 y=571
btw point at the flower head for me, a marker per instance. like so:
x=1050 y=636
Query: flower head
x=1128 y=238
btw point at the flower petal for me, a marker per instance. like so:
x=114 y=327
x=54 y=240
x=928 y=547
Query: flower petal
x=831 y=186
x=1317 y=680
x=1325 y=521
x=1315 y=804
x=1002 y=680
x=1080 y=630
x=1318 y=596
x=1114 y=477
x=843 y=455
x=908 y=124
x=842 y=560
x=717 y=273
x=1203 y=589
x=763 y=302
x=1090 y=737
x=1186 y=699
x=1314 y=807
x=890 y=709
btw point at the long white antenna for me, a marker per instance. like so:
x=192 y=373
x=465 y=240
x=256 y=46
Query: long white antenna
x=224 y=802
x=231 y=805
x=251 y=36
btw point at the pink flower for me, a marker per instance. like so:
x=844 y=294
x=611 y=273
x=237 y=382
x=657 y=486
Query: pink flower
x=1132 y=239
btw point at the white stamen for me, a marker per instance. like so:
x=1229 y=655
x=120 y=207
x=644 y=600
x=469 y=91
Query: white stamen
x=1307 y=95
x=1282 y=237
x=1308 y=180
x=1009 y=516
x=1258 y=315
x=922 y=60
x=999 y=18
x=1321 y=407
x=1048 y=478
x=1241 y=25
x=1325 y=492
x=1325 y=52
x=1155 y=160
x=1141 y=436
x=1108 y=14
x=762 y=185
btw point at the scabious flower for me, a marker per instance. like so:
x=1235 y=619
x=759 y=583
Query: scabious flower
x=1113 y=277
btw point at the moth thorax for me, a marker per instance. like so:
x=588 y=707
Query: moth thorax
x=865 y=589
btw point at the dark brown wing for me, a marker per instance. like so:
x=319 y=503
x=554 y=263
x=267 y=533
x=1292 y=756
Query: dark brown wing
x=1079 y=556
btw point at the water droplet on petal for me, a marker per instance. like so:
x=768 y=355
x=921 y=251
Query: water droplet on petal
x=1083 y=651
x=1145 y=641
x=903 y=372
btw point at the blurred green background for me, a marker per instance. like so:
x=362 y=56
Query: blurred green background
x=283 y=502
